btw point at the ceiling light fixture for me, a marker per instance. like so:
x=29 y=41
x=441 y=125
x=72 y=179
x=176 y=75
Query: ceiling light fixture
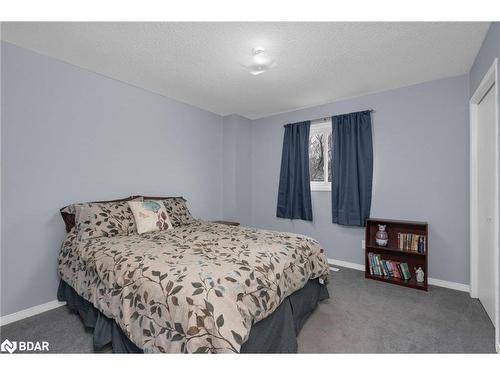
x=260 y=63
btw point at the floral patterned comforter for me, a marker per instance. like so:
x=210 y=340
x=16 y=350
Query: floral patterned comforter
x=195 y=288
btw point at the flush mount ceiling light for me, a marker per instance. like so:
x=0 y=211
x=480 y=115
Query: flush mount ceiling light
x=260 y=62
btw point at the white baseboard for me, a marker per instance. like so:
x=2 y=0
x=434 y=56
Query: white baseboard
x=449 y=284
x=55 y=304
x=35 y=310
x=342 y=263
x=430 y=280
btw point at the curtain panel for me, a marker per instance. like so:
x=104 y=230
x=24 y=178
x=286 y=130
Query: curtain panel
x=294 y=193
x=352 y=168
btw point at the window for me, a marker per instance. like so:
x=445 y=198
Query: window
x=320 y=153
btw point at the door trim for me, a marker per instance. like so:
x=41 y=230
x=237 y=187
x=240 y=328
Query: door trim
x=490 y=79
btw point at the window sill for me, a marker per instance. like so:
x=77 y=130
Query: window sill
x=321 y=186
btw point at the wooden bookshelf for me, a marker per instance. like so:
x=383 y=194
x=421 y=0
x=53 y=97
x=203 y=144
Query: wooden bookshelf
x=394 y=253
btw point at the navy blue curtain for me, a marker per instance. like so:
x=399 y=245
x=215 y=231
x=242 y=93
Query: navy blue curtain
x=294 y=193
x=352 y=168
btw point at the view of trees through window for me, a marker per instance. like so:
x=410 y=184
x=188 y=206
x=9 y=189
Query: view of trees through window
x=320 y=153
x=317 y=157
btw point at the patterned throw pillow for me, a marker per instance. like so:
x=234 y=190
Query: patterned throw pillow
x=68 y=213
x=104 y=219
x=150 y=216
x=178 y=211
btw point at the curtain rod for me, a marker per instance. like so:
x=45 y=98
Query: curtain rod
x=328 y=118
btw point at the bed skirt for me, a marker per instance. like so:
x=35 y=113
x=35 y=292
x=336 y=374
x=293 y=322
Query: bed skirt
x=275 y=334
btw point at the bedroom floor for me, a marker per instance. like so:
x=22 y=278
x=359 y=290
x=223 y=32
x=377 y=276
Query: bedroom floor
x=362 y=316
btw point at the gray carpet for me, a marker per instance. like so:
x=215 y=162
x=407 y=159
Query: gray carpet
x=362 y=316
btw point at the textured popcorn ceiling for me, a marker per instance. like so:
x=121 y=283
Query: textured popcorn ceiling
x=200 y=63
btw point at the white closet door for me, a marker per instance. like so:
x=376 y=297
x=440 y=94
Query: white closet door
x=487 y=165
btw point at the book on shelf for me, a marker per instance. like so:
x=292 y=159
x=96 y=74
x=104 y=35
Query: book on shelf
x=389 y=268
x=406 y=271
x=412 y=242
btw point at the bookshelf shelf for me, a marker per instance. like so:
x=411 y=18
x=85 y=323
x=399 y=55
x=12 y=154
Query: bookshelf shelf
x=392 y=280
x=394 y=249
x=393 y=253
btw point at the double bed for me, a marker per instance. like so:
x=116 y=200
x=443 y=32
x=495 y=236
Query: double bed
x=197 y=288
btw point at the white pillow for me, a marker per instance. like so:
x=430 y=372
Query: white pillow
x=150 y=216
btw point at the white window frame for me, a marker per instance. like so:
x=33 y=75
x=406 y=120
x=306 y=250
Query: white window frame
x=322 y=127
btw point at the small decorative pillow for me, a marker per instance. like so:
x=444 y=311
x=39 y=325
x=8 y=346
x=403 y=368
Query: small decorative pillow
x=150 y=216
x=104 y=219
x=177 y=211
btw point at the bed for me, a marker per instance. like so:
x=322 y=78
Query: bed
x=197 y=288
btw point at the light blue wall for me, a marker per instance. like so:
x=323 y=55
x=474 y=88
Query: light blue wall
x=421 y=172
x=71 y=135
x=237 y=169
